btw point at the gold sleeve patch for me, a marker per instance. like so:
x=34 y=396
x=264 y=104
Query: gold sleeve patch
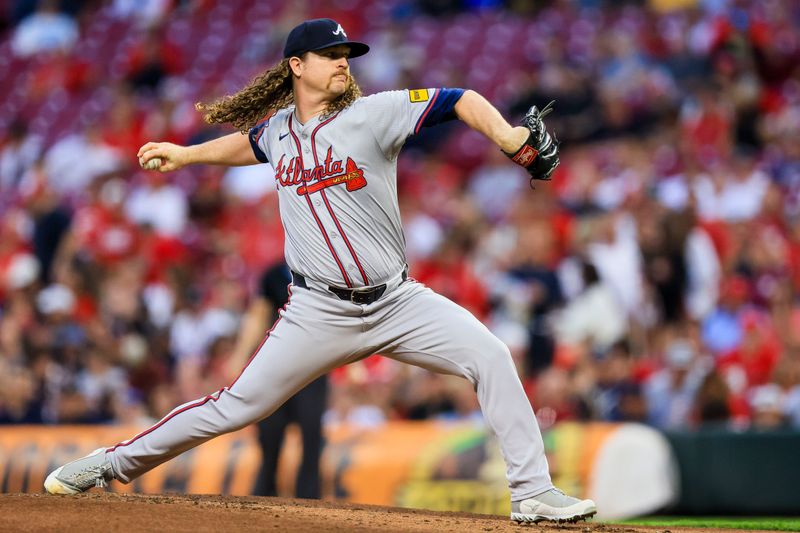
x=418 y=95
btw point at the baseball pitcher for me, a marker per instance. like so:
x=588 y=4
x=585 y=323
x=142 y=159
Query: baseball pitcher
x=335 y=158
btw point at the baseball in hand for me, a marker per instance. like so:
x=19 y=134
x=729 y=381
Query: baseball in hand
x=153 y=164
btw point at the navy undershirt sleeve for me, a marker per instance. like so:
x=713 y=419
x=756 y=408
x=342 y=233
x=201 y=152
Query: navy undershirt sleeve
x=254 y=136
x=442 y=107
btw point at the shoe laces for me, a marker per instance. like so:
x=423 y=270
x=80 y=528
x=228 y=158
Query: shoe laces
x=92 y=475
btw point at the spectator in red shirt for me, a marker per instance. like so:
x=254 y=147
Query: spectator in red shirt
x=753 y=361
x=152 y=59
x=101 y=230
x=449 y=273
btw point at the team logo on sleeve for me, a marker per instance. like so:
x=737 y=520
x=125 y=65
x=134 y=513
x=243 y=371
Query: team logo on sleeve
x=418 y=95
x=321 y=176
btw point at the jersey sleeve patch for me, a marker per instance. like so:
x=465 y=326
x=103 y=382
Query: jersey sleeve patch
x=418 y=95
x=255 y=136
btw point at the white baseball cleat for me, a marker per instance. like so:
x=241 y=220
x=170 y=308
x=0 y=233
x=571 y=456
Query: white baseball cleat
x=80 y=475
x=554 y=506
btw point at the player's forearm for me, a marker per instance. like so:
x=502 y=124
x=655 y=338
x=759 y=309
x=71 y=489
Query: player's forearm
x=230 y=150
x=480 y=115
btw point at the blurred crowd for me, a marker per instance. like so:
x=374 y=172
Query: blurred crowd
x=653 y=280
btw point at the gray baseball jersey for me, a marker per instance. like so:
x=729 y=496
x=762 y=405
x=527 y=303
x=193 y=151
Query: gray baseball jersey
x=336 y=178
x=338 y=196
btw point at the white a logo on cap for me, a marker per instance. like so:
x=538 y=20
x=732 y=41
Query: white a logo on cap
x=340 y=31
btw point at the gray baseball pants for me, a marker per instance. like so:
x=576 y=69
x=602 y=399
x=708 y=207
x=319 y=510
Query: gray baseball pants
x=318 y=332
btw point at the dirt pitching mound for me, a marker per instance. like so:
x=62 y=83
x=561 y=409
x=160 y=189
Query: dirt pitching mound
x=99 y=511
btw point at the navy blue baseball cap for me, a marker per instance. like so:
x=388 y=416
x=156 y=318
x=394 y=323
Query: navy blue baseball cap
x=317 y=34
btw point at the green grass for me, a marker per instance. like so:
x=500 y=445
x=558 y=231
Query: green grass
x=743 y=523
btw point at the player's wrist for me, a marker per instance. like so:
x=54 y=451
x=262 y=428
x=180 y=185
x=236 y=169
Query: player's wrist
x=525 y=154
x=513 y=140
x=188 y=155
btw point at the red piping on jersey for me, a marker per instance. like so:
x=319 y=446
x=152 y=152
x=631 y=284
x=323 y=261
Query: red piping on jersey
x=167 y=419
x=427 y=110
x=260 y=132
x=263 y=125
x=328 y=205
x=313 y=211
x=210 y=396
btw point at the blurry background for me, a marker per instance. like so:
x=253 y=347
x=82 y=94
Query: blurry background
x=653 y=281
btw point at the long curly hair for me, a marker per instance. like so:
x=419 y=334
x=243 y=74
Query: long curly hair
x=266 y=94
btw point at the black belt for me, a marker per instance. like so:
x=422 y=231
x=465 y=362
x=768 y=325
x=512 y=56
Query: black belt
x=357 y=296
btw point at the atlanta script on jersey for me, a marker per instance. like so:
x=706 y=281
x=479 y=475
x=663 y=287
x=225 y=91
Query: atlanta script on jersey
x=337 y=192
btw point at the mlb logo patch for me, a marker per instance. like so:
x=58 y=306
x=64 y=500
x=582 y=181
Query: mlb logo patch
x=418 y=95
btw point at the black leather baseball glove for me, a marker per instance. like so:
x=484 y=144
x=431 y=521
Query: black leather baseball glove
x=539 y=154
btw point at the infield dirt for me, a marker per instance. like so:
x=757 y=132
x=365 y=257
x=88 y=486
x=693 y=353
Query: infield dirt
x=100 y=511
